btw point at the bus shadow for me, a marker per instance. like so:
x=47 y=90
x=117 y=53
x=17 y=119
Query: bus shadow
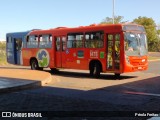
x=86 y=75
x=75 y=74
x=15 y=67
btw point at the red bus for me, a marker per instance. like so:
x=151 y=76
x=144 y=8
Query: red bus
x=113 y=48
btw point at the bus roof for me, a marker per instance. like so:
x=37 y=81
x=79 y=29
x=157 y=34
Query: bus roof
x=96 y=27
x=19 y=34
x=78 y=29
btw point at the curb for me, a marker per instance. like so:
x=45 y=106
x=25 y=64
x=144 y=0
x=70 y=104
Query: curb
x=22 y=83
x=21 y=87
x=47 y=80
x=154 y=60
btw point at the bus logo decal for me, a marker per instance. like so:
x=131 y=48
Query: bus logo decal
x=67 y=51
x=43 y=58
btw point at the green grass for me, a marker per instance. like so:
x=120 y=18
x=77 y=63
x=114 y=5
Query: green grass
x=3 y=60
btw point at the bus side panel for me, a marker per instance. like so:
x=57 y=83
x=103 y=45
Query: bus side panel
x=27 y=54
x=71 y=58
x=96 y=55
x=32 y=53
x=77 y=59
x=14 y=47
x=50 y=58
x=80 y=58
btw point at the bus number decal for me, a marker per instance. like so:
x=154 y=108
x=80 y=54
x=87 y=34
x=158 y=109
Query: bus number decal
x=93 y=54
x=43 y=58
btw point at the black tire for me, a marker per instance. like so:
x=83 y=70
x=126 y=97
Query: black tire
x=54 y=70
x=34 y=64
x=95 y=70
x=117 y=75
x=40 y=68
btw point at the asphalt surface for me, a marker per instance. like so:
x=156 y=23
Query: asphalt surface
x=76 y=91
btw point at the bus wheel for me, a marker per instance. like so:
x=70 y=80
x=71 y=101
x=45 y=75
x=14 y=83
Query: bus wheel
x=117 y=75
x=54 y=70
x=34 y=65
x=40 y=68
x=95 y=70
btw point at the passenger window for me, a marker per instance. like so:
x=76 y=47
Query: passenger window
x=9 y=43
x=45 y=41
x=32 y=41
x=94 y=39
x=75 y=40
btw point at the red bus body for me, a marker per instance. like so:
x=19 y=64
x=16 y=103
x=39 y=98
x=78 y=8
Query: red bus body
x=101 y=58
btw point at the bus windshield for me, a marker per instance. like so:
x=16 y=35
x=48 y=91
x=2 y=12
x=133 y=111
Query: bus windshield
x=135 y=44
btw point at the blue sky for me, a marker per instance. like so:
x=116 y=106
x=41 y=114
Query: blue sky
x=22 y=15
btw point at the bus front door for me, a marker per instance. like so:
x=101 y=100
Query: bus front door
x=113 y=52
x=60 y=51
x=18 y=51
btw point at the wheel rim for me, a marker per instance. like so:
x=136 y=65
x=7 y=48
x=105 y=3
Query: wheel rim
x=94 y=70
x=34 y=65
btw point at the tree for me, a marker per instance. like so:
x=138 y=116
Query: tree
x=158 y=32
x=108 y=20
x=151 y=32
x=2 y=46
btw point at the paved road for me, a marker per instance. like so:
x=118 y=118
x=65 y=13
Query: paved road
x=154 y=67
x=132 y=95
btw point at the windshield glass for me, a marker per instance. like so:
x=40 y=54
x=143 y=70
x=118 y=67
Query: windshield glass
x=135 y=44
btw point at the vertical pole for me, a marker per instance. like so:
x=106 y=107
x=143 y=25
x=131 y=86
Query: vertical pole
x=113 y=12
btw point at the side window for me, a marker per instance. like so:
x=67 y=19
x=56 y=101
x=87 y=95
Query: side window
x=32 y=41
x=75 y=40
x=45 y=41
x=9 y=43
x=94 y=39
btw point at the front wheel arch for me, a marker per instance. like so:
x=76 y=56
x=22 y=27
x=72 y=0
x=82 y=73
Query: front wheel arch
x=34 y=64
x=95 y=68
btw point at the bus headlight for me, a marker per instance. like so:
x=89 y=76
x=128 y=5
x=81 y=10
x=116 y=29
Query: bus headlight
x=143 y=60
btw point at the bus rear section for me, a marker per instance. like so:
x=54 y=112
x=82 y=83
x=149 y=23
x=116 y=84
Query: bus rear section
x=14 y=44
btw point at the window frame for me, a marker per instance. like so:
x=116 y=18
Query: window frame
x=45 y=43
x=76 y=40
x=93 y=41
x=30 y=43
